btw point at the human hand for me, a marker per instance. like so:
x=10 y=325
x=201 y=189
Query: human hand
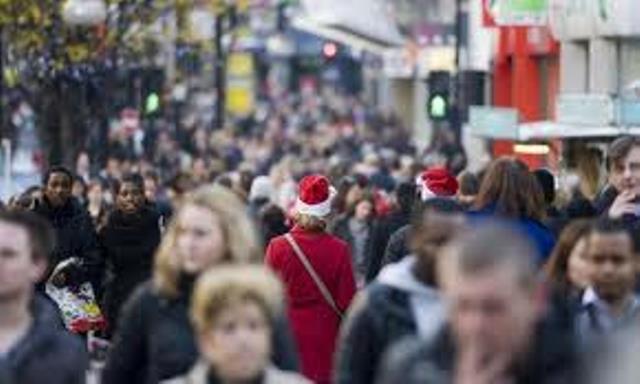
x=475 y=366
x=623 y=205
x=59 y=280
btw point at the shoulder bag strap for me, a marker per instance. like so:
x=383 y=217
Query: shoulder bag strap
x=316 y=279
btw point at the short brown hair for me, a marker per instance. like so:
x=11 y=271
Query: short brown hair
x=220 y=288
x=42 y=238
x=620 y=148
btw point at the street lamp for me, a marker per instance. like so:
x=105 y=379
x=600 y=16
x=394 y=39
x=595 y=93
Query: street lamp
x=84 y=12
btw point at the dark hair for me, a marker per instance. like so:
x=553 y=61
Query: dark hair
x=366 y=196
x=56 y=169
x=406 y=196
x=153 y=175
x=556 y=268
x=133 y=178
x=438 y=205
x=246 y=179
x=180 y=183
x=547 y=183
x=469 y=184
x=41 y=235
x=494 y=245
x=511 y=190
x=272 y=221
x=225 y=181
x=608 y=226
x=620 y=148
x=361 y=180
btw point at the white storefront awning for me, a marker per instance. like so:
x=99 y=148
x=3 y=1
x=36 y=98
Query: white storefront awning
x=361 y=24
x=502 y=123
x=541 y=130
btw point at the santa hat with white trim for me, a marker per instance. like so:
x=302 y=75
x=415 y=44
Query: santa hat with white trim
x=436 y=182
x=315 y=195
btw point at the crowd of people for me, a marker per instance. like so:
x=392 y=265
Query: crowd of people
x=312 y=244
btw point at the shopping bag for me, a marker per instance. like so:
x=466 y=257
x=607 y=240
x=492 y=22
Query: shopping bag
x=77 y=304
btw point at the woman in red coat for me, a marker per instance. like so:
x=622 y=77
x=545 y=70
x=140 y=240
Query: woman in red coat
x=314 y=318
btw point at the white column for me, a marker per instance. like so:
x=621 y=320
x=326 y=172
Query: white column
x=574 y=67
x=603 y=66
x=481 y=39
x=422 y=128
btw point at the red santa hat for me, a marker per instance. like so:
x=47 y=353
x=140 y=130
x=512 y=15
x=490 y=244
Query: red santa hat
x=436 y=182
x=315 y=195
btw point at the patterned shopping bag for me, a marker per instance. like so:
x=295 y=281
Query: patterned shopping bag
x=78 y=306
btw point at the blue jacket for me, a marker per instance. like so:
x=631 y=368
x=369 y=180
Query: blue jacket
x=541 y=236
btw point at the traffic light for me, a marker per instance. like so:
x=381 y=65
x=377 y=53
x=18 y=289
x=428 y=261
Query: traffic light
x=152 y=87
x=330 y=50
x=152 y=103
x=439 y=101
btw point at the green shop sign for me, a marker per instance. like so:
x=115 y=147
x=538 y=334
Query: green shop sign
x=519 y=12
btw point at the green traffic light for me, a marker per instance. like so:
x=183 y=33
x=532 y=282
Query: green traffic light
x=438 y=107
x=152 y=103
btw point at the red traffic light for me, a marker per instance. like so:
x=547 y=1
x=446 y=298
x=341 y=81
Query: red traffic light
x=330 y=50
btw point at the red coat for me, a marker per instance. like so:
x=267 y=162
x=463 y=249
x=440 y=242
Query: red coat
x=315 y=324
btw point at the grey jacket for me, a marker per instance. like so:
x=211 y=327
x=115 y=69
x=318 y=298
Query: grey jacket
x=396 y=305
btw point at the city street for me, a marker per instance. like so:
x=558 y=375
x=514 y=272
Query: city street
x=319 y=191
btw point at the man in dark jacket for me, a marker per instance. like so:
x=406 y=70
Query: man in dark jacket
x=155 y=340
x=33 y=348
x=75 y=234
x=385 y=227
x=402 y=301
x=398 y=246
x=623 y=164
x=497 y=328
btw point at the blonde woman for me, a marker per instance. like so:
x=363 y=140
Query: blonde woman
x=233 y=311
x=155 y=340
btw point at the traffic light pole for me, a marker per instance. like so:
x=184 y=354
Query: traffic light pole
x=219 y=120
x=3 y=129
x=457 y=80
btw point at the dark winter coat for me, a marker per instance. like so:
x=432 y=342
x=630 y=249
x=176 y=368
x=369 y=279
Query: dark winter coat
x=155 y=340
x=47 y=354
x=398 y=246
x=552 y=360
x=75 y=237
x=605 y=199
x=381 y=315
x=342 y=229
x=128 y=243
x=46 y=310
x=383 y=229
